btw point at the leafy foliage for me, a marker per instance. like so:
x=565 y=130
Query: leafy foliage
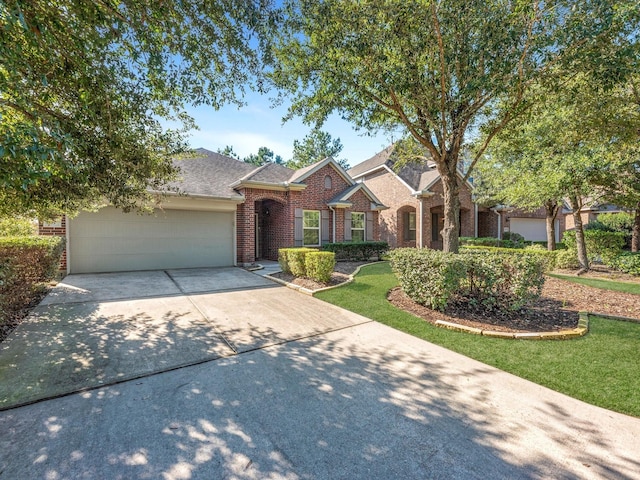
x=601 y=245
x=16 y=227
x=627 y=262
x=25 y=262
x=292 y=260
x=264 y=156
x=435 y=68
x=319 y=265
x=314 y=147
x=357 y=251
x=84 y=84
x=494 y=280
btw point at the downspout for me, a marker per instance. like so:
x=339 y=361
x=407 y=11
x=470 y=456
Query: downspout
x=334 y=223
x=499 y=222
x=421 y=224
x=475 y=223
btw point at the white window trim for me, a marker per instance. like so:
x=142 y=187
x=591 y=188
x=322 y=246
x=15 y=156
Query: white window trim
x=304 y=228
x=364 y=226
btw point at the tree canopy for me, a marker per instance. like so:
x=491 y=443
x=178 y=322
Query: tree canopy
x=84 y=84
x=438 y=68
x=316 y=146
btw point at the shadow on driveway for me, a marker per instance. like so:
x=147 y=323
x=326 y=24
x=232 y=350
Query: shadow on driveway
x=362 y=403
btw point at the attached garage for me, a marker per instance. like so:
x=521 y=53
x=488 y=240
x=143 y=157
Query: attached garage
x=111 y=241
x=532 y=229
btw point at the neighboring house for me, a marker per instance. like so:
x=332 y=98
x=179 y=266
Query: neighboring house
x=589 y=212
x=415 y=216
x=531 y=225
x=413 y=194
x=228 y=213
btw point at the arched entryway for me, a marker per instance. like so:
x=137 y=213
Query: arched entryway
x=269 y=215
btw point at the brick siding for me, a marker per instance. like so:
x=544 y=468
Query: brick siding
x=60 y=231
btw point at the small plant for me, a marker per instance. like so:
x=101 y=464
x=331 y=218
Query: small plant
x=357 y=251
x=292 y=260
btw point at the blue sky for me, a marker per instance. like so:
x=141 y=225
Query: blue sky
x=257 y=124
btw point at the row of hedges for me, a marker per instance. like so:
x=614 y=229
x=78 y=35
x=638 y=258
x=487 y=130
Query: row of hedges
x=357 y=251
x=548 y=258
x=307 y=262
x=490 y=242
x=25 y=262
x=492 y=279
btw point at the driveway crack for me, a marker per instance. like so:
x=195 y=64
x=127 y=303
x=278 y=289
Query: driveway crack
x=219 y=332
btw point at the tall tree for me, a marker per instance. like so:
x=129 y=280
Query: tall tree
x=580 y=142
x=315 y=146
x=436 y=67
x=265 y=155
x=84 y=84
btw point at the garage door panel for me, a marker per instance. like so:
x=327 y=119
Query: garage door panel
x=532 y=229
x=110 y=240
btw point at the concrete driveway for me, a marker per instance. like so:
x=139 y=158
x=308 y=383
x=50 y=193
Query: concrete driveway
x=313 y=392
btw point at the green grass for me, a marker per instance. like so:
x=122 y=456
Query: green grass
x=627 y=287
x=600 y=368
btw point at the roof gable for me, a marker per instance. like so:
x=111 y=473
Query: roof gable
x=300 y=175
x=342 y=199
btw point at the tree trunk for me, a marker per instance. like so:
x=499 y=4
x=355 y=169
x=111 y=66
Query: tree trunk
x=451 y=230
x=551 y=208
x=635 y=232
x=583 y=259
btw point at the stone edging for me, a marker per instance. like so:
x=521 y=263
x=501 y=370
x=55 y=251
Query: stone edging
x=307 y=291
x=581 y=330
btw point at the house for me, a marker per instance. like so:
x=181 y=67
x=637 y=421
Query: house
x=591 y=209
x=414 y=196
x=227 y=213
x=415 y=216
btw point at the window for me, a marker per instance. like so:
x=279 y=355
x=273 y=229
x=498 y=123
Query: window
x=311 y=228
x=410 y=226
x=327 y=182
x=357 y=227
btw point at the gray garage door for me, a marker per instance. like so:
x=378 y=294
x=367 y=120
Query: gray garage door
x=532 y=229
x=112 y=241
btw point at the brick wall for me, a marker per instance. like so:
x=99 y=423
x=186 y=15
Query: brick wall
x=56 y=229
x=278 y=226
x=395 y=195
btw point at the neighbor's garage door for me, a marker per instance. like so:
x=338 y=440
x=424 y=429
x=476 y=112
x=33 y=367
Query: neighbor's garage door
x=532 y=229
x=112 y=241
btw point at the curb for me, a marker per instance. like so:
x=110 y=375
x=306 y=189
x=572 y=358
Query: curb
x=309 y=292
x=581 y=330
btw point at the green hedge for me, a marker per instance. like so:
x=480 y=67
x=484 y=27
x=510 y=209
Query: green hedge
x=500 y=280
x=16 y=227
x=291 y=260
x=357 y=251
x=320 y=265
x=626 y=262
x=26 y=262
x=489 y=242
x=548 y=258
x=601 y=245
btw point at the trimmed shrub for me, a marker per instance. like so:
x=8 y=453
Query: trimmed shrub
x=548 y=258
x=16 y=227
x=626 y=262
x=428 y=277
x=489 y=242
x=491 y=279
x=26 y=262
x=567 y=259
x=292 y=260
x=320 y=265
x=601 y=245
x=357 y=251
x=516 y=238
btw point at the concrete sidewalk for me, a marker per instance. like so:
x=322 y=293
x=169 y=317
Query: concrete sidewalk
x=364 y=402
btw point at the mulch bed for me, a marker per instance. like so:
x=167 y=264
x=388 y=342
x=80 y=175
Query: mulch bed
x=556 y=309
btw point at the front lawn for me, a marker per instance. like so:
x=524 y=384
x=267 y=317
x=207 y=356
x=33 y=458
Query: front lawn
x=600 y=368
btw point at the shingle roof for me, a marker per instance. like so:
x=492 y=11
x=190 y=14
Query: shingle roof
x=270 y=173
x=417 y=175
x=210 y=174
